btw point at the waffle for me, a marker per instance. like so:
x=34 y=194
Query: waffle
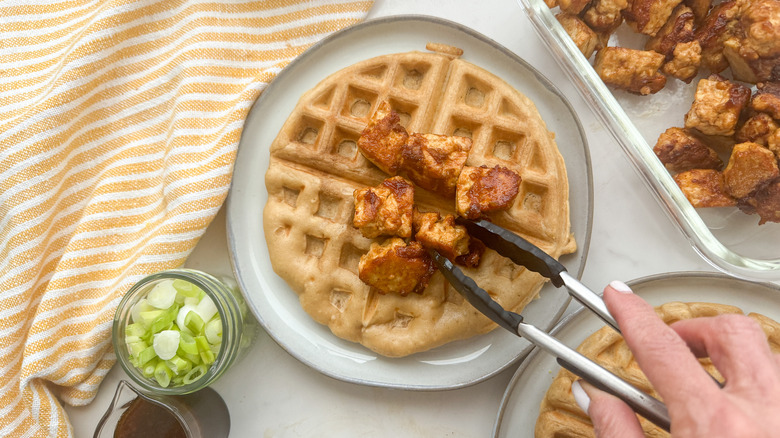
x=559 y=415
x=315 y=166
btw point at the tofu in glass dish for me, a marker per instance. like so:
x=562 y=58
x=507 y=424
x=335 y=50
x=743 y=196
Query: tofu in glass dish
x=725 y=59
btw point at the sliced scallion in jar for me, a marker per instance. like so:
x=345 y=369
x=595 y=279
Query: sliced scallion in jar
x=174 y=333
x=162 y=295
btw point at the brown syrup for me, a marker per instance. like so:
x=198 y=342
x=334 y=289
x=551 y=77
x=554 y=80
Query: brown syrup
x=144 y=419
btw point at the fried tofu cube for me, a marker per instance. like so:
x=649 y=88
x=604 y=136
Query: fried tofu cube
x=383 y=138
x=485 y=189
x=700 y=8
x=685 y=62
x=385 y=209
x=442 y=234
x=760 y=22
x=742 y=68
x=396 y=267
x=753 y=52
x=757 y=129
x=604 y=16
x=717 y=106
x=447 y=237
x=679 y=150
x=632 y=70
x=648 y=16
x=773 y=142
x=573 y=6
x=677 y=43
x=767 y=203
x=704 y=188
x=473 y=256
x=679 y=29
x=767 y=99
x=434 y=162
x=583 y=36
x=718 y=26
x=750 y=167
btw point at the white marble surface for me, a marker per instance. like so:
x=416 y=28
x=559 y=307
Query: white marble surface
x=271 y=394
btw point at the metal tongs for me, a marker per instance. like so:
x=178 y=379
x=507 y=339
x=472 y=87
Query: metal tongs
x=526 y=254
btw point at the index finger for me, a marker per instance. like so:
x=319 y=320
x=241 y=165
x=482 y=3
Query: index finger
x=661 y=353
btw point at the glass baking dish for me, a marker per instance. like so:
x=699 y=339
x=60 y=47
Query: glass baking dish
x=730 y=240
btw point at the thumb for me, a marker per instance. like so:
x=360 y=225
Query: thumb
x=610 y=416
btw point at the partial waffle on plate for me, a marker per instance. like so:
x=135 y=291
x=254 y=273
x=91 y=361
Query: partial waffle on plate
x=559 y=415
x=316 y=166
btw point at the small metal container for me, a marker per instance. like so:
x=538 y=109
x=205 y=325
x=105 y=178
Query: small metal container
x=200 y=415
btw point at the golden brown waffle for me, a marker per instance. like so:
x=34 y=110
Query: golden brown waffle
x=315 y=166
x=559 y=415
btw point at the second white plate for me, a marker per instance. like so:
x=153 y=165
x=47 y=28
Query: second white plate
x=520 y=405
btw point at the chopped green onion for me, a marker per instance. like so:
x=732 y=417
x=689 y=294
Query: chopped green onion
x=162 y=295
x=178 y=365
x=194 y=358
x=204 y=349
x=174 y=333
x=207 y=356
x=148 y=369
x=146 y=355
x=165 y=320
x=135 y=347
x=149 y=316
x=165 y=344
x=202 y=343
x=187 y=343
x=141 y=306
x=213 y=331
x=135 y=329
x=186 y=289
x=180 y=317
x=162 y=374
x=195 y=374
x=206 y=308
x=194 y=322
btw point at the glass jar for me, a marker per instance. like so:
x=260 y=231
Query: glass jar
x=237 y=327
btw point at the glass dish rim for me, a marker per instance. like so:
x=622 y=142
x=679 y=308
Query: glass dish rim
x=640 y=154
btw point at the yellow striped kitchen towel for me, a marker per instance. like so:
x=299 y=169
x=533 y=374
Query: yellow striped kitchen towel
x=119 y=124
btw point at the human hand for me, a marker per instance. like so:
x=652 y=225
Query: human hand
x=746 y=406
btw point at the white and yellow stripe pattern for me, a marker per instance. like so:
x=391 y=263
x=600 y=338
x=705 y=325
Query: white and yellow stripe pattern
x=119 y=123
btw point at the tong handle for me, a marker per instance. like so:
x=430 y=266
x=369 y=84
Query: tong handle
x=593 y=373
x=588 y=298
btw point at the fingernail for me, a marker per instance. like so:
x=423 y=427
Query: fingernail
x=580 y=396
x=620 y=287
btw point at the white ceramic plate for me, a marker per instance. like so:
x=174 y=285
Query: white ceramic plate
x=520 y=405
x=276 y=306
